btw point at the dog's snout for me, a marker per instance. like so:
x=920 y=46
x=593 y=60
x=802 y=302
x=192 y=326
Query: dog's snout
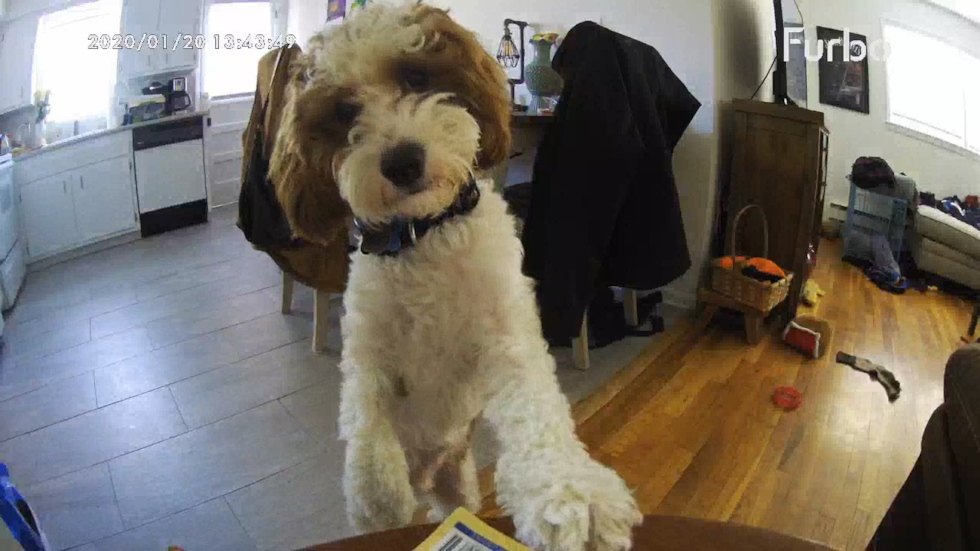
x=403 y=164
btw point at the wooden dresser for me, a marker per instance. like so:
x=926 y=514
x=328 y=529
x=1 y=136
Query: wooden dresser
x=779 y=161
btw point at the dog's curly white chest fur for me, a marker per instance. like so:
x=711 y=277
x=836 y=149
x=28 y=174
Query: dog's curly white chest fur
x=423 y=318
x=436 y=337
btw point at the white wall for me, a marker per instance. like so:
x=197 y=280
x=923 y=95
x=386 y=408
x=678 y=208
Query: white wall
x=305 y=17
x=936 y=169
x=744 y=48
x=744 y=32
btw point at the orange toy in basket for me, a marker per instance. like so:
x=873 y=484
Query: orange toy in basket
x=764 y=265
x=730 y=281
x=728 y=262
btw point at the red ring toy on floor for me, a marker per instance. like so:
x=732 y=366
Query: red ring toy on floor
x=787 y=397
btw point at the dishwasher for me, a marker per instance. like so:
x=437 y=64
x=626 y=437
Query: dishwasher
x=170 y=181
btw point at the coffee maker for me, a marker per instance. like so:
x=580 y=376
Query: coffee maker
x=174 y=93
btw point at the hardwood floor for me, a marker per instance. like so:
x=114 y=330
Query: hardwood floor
x=690 y=425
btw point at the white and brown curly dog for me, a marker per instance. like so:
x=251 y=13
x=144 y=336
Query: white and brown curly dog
x=398 y=109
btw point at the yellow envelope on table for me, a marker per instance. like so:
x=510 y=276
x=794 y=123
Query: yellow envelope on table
x=463 y=531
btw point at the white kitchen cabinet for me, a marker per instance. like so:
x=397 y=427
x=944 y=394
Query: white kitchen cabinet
x=181 y=18
x=17 y=62
x=76 y=194
x=9 y=84
x=103 y=198
x=48 y=215
x=159 y=17
x=139 y=17
x=78 y=207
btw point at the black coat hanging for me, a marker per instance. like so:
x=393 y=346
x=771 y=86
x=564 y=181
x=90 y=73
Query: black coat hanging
x=604 y=209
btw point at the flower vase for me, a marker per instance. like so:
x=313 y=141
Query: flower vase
x=542 y=80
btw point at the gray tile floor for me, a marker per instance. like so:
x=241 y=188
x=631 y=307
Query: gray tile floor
x=153 y=394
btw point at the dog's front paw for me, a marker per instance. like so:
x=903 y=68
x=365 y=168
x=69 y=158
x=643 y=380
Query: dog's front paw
x=587 y=508
x=379 y=495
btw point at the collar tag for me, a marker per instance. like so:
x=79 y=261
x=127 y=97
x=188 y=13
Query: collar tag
x=382 y=240
x=411 y=232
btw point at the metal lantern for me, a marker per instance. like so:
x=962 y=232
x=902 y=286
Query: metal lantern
x=510 y=56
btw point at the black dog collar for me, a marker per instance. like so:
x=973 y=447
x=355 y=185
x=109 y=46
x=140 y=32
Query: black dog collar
x=390 y=238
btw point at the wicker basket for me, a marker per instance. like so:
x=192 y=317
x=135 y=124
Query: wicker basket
x=761 y=295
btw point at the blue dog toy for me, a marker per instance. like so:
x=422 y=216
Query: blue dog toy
x=18 y=516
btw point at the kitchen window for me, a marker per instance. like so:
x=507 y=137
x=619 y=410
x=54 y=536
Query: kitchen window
x=969 y=9
x=933 y=88
x=81 y=79
x=243 y=30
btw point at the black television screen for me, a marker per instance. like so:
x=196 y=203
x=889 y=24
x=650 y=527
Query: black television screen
x=789 y=78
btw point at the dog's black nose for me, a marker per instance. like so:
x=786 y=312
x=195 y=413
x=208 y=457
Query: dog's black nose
x=403 y=164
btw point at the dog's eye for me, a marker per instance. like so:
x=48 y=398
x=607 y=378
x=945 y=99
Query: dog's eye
x=415 y=80
x=346 y=111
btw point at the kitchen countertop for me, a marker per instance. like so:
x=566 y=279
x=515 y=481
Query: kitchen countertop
x=99 y=133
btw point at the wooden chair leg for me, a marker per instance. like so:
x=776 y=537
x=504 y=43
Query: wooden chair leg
x=704 y=318
x=580 y=346
x=321 y=321
x=287 y=293
x=753 y=328
x=629 y=304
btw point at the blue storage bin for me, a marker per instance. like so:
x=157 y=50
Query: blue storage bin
x=870 y=213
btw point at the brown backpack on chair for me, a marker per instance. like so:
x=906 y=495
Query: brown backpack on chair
x=260 y=217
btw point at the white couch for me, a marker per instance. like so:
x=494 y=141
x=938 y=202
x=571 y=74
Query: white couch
x=945 y=246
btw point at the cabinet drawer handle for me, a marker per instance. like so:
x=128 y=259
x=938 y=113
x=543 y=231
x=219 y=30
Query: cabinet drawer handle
x=81 y=180
x=64 y=186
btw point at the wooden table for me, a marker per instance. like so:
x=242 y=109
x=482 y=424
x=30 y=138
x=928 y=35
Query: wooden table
x=527 y=119
x=657 y=533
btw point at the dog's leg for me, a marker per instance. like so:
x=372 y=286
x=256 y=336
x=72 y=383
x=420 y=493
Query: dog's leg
x=376 y=485
x=544 y=477
x=455 y=485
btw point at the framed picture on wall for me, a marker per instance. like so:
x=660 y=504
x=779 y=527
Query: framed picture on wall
x=336 y=9
x=844 y=82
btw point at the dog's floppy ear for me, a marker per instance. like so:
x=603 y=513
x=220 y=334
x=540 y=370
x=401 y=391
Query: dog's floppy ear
x=493 y=111
x=300 y=170
x=482 y=84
